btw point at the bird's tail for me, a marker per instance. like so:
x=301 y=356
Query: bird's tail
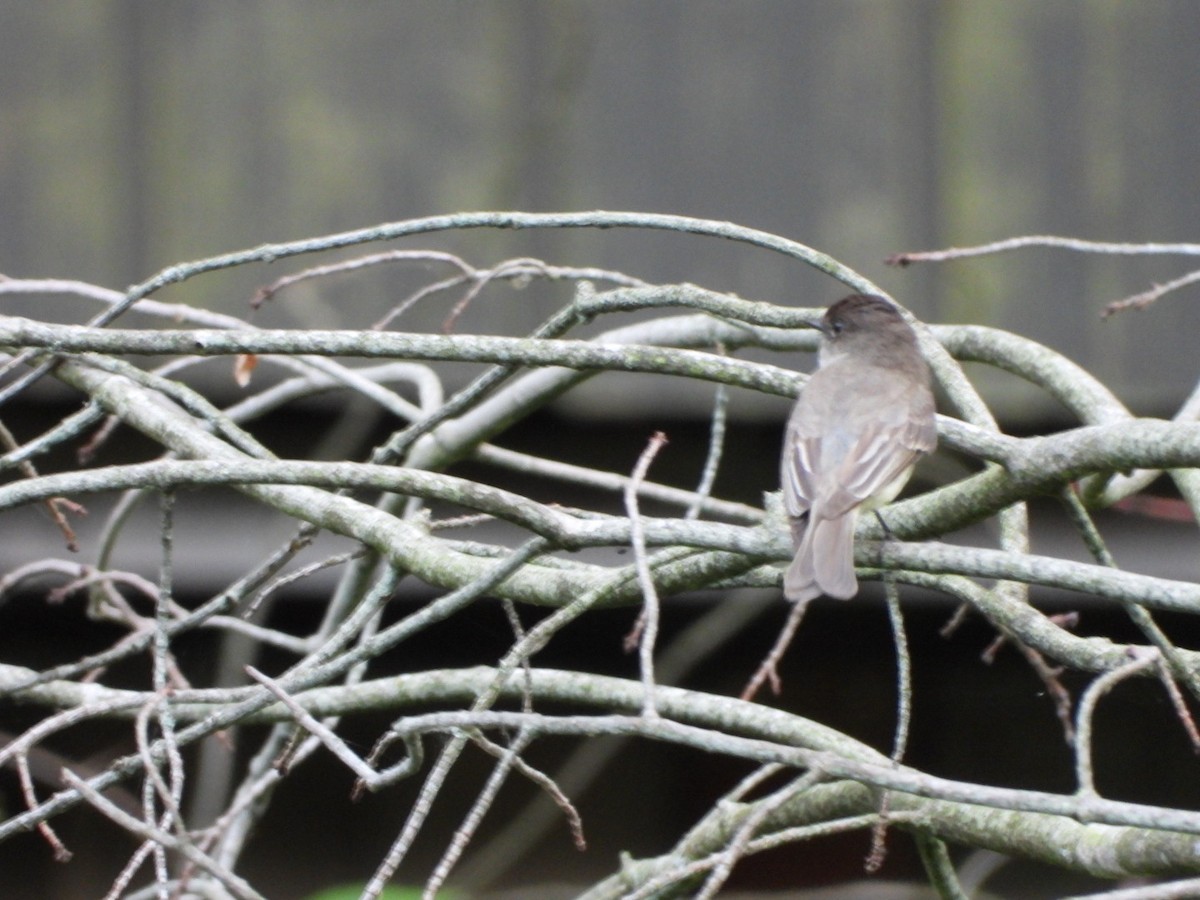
x=824 y=561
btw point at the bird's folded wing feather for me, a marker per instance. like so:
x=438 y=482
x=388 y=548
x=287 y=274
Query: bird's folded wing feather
x=840 y=468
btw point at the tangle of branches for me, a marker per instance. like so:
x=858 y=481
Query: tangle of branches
x=407 y=543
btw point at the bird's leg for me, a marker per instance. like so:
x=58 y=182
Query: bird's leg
x=887 y=532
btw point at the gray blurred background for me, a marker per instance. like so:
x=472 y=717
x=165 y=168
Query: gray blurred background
x=135 y=135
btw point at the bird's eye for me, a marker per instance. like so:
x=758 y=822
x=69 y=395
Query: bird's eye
x=837 y=326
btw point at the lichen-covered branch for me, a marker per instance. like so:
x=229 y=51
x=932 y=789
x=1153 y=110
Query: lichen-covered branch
x=413 y=520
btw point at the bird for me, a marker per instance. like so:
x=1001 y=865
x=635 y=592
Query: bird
x=859 y=425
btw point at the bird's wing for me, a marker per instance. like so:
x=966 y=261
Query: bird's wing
x=883 y=454
x=838 y=468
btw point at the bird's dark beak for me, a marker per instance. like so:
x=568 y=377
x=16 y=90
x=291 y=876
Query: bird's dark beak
x=818 y=324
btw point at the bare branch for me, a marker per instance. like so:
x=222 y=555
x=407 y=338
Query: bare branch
x=412 y=545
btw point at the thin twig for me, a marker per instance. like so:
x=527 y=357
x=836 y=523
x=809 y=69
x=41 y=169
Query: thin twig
x=649 y=631
x=57 y=507
x=878 y=853
x=1145 y=298
x=547 y=784
x=739 y=842
x=1086 y=713
x=326 y=736
x=716 y=447
x=268 y=292
x=1065 y=243
x=483 y=802
x=232 y=882
x=768 y=670
x=1173 y=667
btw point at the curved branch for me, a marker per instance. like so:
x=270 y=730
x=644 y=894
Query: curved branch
x=1147 y=839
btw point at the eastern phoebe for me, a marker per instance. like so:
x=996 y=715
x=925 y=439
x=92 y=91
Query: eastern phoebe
x=854 y=435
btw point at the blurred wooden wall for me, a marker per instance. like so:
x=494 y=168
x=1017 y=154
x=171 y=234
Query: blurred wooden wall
x=138 y=134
